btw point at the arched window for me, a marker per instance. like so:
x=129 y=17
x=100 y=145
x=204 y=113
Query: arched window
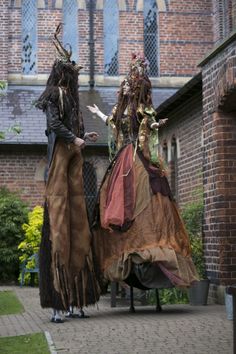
x=29 y=37
x=111 y=36
x=225 y=18
x=233 y=14
x=165 y=152
x=174 y=168
x=150 y=14
x=90 y=188
x=70 y=26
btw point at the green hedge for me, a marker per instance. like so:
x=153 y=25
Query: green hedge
x=13 y=213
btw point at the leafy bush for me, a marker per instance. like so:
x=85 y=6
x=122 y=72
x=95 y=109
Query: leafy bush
x=198 y=255
x=193 y=215
x=13 y=213
x=30 y=245
x=169 y=296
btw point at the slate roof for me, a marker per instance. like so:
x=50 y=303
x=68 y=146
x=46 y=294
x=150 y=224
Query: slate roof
x=180 y=97
x=16 y=106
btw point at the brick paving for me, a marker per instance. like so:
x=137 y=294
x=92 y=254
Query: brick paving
x=179 y=329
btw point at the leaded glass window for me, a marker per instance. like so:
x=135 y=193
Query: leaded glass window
x=165 y=151
x=90 y=188
x=225 y=18
x=70 y=26
x=174 y=168
x=29 y=37
x=151 y=35
x=111 y=36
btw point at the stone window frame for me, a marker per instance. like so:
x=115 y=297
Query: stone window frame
x=41 y=4
x=109 y=39
x=151 y=47
x=71 y=26
x=29 y=45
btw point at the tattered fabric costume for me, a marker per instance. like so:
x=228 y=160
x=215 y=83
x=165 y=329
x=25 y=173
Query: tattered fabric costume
x=66 y=266
x=139 y=236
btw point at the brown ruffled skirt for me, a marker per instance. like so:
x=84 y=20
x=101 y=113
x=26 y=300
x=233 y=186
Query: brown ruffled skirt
x=66 y=264
x=155 y=247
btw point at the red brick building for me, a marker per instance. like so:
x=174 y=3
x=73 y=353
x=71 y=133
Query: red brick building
x=199 y=142
x=175 y=36
x=103 y=35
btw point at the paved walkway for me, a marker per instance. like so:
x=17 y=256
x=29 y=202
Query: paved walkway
x=179 y=329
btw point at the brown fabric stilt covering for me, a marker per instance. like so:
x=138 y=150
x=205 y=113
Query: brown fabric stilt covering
x=71 y=264
x=48 y=296
x=157 y=235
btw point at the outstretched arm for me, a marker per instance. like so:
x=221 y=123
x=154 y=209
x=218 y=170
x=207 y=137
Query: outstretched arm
x=94 y=109
x=161 y=122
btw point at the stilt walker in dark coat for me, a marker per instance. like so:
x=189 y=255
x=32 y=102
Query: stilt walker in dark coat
x=66 y=264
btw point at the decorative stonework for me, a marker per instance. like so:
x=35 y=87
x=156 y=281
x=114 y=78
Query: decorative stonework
x=101 y=80
x=81 y=4
x=161 y=5
x=41 y=4
x=121 y=4
x=58 y=4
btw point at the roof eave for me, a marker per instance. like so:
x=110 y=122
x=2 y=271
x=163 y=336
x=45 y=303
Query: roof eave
x=188 y=90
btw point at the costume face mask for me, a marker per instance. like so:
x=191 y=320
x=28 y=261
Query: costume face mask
x=126 y=88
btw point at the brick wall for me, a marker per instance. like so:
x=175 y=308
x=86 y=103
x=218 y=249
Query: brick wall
x=131 y=37
x=98 y=40
x=83 y=21
x=219 y=119
x=46 y=25
x=185 y=126
x=15 y=47
x=185 y=36
x=4 y=23
x=23 y=171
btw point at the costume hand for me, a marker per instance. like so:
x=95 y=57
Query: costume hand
x=155 y=125
x=163 y=121
x=91 y=136
x=93 y=109
x=79 y=142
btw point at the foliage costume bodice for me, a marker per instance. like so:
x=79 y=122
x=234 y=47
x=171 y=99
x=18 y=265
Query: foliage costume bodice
x=134 y=127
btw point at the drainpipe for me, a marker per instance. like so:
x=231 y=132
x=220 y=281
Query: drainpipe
x=91 y=43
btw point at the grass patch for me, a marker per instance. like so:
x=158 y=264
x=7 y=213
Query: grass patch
x=28 y=344
x=9 y=303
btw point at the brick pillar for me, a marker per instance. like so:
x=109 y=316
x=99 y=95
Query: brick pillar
x=220 y=197
x=4 y=45
x=219 y=163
